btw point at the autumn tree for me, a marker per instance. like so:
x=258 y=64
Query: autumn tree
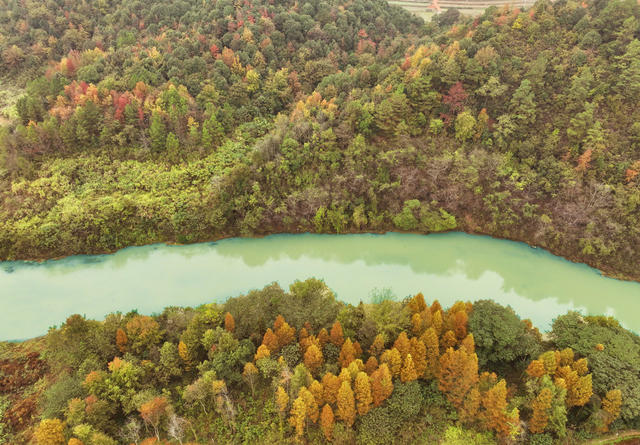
x=121 y=340
x=611 y=407
x=143 y=331
x=458 y=374
x=298 y=416
x=540 y=407
x=377 y=346
x=317 y=390
x=311 y=406
x=154 y=412
x=270 y=341
x=50 y=432
x=262 y=352
x=313 y=358
x=347 y=353
x=229 y=322
x=331 y=385
x=495 y=416
x=432 y=345
x=346 y=404
x=250 y=375
x=408 y=372
x=381 y=384
x=363 y=393
x=327 y=422
x=336 y=337
x=402 y=344
x=282 y=400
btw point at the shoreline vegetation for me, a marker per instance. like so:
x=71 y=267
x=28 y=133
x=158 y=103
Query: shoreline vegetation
x=299 y=366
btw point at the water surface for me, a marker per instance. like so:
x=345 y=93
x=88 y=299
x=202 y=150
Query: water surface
x=449 y=267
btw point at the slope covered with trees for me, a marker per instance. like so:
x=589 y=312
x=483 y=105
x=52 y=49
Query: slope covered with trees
x=297 y=366
x=185 y=121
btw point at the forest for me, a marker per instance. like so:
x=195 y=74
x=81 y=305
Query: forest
x=129 y=123
x=298 y=366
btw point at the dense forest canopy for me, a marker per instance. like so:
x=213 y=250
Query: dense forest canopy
x=298 y=366
x=185 y=121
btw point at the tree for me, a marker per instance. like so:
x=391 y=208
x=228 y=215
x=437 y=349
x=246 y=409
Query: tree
x=121 y=340
x=311 y=406
x=317 y=390
x=270 y=341
x=402 y=344
x=229 y=322
x=363 y=393
x=377 y=346
x=154 y=412
x=458 y=375
x=432 y=345
x=313 y=358
x=143 y=332
x=331 y=385
x=282 y=400
x=346 y=404
x=501 y=338
x=250 y=375
x=336 y=337
x=50 y=432
x=408 y=373
x=495 y=416
x=381 y=384
x=464 y=126
x=262 y=352
x=540 y=407
x=347 y=353
x=327 y=422
x=298 y=416
x=157 y=132
x=611 y=406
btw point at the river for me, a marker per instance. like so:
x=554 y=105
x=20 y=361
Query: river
x=447 y=267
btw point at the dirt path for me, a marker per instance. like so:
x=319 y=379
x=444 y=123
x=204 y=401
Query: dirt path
x=627 y=438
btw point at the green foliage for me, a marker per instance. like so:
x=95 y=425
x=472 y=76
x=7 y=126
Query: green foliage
x=615 y=366
x=502 y=339
x=459 y=436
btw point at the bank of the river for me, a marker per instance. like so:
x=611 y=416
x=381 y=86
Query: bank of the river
x=447 y=267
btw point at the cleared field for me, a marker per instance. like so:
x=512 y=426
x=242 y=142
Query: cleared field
x=471 y=7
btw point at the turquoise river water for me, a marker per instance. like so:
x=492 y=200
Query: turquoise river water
x=449 y=267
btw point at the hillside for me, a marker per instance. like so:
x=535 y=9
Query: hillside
x=179 y=122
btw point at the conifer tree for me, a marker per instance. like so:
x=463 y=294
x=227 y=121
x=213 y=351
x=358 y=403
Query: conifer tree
x=381 y=384
x=229 y=322
x=408 y=373
x=347 y=353
x=336 y=337
x=432 y=345
x=330 y=384
x=371 y=365
x=313 y=358
x=363 y=393
x=346 y=404
x=270 y=340
x=540 y=407
x=327 y=422
x=298 y=416
x=317 y=390
x=458 y=375
x=377 y=346
x=402 y=344
x=311 y=406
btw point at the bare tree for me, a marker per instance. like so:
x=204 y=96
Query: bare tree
x=176 y=426
x=130 y=432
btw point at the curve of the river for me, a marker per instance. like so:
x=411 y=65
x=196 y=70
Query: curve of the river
x=449 y=267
